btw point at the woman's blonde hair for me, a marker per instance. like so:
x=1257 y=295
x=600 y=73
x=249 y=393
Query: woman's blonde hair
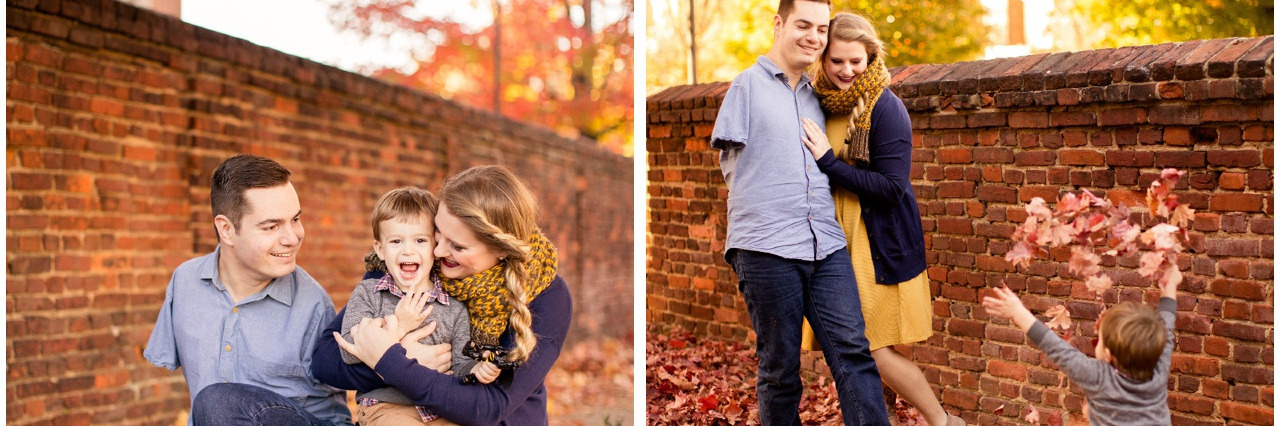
x=501 y=211
x=852 y=27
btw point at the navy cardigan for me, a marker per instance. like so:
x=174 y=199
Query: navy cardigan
x=884 y=188
x=522 y=401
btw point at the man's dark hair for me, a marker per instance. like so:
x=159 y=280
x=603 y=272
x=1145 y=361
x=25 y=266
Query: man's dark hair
x=237 y=175
x=786 y=6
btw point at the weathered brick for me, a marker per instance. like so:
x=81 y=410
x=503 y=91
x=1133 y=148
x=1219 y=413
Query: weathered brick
x=1234 y=158
x=1028 y=119
x=1182 y=160
x=1122 y=116
x=1174 y=115
x=955 y=155
x=1035 y=158
x=1080 y=157
x=1227 y=202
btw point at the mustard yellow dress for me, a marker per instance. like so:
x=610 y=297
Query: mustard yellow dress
x=894 y=314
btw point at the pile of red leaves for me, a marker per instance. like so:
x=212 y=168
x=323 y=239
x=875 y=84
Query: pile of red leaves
x=592 y=383
x=702 y=381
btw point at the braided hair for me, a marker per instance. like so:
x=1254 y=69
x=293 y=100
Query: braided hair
x=502 y=213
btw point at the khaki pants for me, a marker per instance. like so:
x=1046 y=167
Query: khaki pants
x=384 y=414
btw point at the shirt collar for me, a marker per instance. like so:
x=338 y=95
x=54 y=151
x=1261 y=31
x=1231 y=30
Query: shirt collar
x=281 y=289
x=775 y=71
x=438 y=294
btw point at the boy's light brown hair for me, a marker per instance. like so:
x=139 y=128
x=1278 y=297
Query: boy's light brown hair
x=1135 y=335
x=403 y=202
x=786 y=6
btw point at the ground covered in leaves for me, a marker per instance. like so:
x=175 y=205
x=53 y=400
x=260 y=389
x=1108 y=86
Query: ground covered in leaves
x=592 y=384
x=701 y=381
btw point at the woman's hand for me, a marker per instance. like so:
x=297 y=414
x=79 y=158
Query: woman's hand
x=817 y=140
x=370 y=339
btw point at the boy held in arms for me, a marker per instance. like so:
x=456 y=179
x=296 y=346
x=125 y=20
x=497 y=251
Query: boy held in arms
x=404 y=243
x=1127 y=383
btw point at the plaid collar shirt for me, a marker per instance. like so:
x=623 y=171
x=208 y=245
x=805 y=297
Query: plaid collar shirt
x=437 y=294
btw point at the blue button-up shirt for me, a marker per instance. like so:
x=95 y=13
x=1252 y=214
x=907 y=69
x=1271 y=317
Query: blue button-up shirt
x=265 y=340
x=779 y=201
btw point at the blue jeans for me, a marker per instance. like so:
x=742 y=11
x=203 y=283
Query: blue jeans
x=780 y=293
x=240 y=404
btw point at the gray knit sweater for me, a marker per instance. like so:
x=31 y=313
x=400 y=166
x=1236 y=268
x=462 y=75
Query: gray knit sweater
x=453 y=326
x=1113 y=398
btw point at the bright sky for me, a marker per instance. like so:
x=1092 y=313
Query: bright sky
x=302 y=28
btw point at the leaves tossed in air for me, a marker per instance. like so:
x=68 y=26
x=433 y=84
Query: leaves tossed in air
x=1021 y=254
x=1060 y=318
x=1084 y=262
x=1098 y=284
x=1086 y=222
x=1033 y=417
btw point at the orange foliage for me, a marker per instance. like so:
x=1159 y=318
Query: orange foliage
x=564 y=64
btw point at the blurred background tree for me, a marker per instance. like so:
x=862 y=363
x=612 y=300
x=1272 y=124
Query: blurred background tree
x=565 y=64
x=730 y=34
x=1096 y=24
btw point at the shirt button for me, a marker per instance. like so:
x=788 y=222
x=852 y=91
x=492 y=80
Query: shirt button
x=228 y=348
x=235 y=310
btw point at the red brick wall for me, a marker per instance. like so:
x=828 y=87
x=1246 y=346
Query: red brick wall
x=989 y=136
x=117 y=117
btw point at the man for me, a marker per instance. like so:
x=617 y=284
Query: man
x=783 y=239
x=243 y=321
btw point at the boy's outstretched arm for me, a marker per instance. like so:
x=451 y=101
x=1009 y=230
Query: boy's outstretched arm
x=1003 y=303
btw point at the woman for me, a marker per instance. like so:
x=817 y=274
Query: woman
x=490 y=253
x=875 y=203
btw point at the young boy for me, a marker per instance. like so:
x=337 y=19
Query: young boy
x=1128 y=381
x=403 y=234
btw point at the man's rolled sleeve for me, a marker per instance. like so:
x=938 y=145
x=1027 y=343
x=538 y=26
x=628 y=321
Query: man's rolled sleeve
x=733 y=120
x=162 y=347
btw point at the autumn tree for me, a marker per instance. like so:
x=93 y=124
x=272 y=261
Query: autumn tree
x=730 y=34
x=1095 y=24
x=564 y=64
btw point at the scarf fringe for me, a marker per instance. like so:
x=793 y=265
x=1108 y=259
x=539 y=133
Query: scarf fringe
x=864 y=91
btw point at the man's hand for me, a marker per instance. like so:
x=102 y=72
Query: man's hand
x=370 y=339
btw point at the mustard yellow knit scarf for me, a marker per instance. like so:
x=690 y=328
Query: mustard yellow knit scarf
x=866 y=90
x=485 y=293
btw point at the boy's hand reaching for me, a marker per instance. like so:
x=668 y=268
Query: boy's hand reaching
x=410 y=312
x=486 y=372
x=1005 y=304
x=1169 y=285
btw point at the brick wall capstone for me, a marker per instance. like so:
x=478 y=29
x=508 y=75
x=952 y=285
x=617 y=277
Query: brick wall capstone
x=988 y=137
x=117 y=116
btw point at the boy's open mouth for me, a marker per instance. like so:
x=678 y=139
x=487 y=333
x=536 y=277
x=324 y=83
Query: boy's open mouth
x=409 y=269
